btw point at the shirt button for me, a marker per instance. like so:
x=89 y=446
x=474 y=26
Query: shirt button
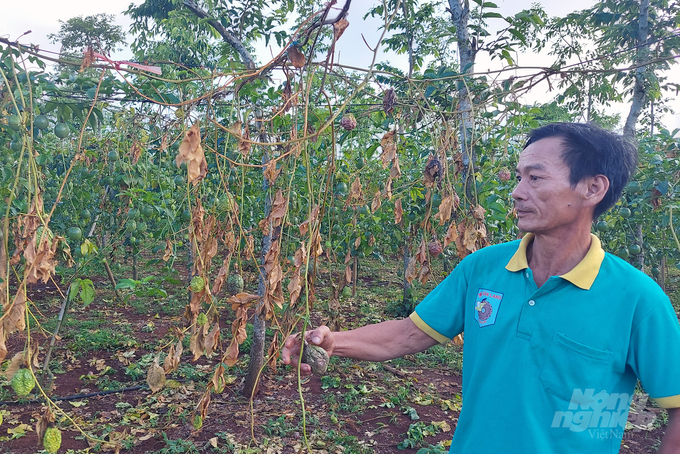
x=527 y=274
x=532 y=302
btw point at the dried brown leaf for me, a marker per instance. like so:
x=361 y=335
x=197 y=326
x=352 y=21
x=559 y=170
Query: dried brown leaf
x=212 y=339
x=395 y=171
x=196 y=345
x=43 y=423
x=135 y=152
x=421 y=254
x=389 y=100
x=88 y=58
x=191 y=153
x=339 y=28
x=244 y=144
x=155 y=377
x=398 y=212
x=232 y=353
x=271 y=173
x=444 y=213
x=242 y=299
x=17 y=361
x=296 y=57
x=425 y=273
x=355 y=190
x=451 y=234
x=377 y=201
x=389 y=147
x=478 y=213
x=411 y=270
x=168 y=250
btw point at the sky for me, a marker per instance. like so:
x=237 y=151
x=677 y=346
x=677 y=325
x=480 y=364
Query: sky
x=42 y=16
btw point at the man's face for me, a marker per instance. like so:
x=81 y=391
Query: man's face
x=544 y=199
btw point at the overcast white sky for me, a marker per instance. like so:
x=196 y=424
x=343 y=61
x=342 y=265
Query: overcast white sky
x=42 y=16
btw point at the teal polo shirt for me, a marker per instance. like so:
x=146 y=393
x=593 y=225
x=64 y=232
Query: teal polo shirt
x=553 y=369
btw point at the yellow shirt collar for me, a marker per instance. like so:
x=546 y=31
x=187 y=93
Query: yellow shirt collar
x=582 y=275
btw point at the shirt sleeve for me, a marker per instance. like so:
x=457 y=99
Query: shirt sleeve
x=654 y=354
x=442 y=313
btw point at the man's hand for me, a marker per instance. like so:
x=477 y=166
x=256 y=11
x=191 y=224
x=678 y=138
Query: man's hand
x=321 y=336
x=379 y=342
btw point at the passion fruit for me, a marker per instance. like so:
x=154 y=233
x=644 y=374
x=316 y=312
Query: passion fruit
x=14 y=122
x=341 y=189
x=62 y=130
x=75 y=233
x=41 y=122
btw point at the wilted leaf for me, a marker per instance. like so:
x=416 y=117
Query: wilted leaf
x=135 y=152
x=155 y=377
x=458 y=340
x=212 y=339
x=296 y=57
x=478 y=213
x=43 y=422
x=244 y=144
x=339 y=28
x=444 y=213
x=395 y=171
x=376 y=201
x=389 y=147
x=424 y=273
x=17 y=360
x=168 y=250
x=355 y=191
x=203 y=404
x=242 y=298
x=14 y=318
x=191 y=153
x=411 y=270
x=433 y=173
x=232 y=353
x=398 y=212
x=271 y=173
x=88 y=58
x=196 y=345
x=389 y=100
x=451 y=234
x=443 y=425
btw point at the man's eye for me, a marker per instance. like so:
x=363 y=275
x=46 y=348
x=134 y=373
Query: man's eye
x=533 y=177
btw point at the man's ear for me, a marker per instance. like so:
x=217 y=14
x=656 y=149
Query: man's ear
x=595 y=190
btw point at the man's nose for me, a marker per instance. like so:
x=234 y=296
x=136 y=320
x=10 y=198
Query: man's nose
x=518 y=193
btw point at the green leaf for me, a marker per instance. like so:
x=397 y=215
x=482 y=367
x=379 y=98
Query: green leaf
x=127 y=284
x=492 y=14
x=86 y=291
x=73 y=289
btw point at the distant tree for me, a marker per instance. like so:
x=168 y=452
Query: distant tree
x=97 y=31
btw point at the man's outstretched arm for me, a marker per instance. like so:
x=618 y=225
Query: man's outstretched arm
x=379 y=342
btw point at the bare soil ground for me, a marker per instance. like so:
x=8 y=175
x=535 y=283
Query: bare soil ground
x=356 y=407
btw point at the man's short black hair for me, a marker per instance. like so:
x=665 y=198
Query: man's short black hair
x=590 y=150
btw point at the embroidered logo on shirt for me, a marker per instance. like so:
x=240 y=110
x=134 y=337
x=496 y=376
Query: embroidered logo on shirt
x=486 y=306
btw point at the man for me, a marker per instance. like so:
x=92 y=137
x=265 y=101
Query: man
x=557 y=332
